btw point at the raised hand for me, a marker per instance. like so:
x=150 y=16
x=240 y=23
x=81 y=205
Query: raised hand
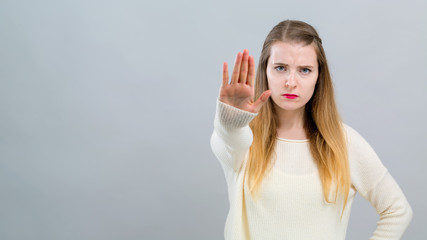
x=239 y=92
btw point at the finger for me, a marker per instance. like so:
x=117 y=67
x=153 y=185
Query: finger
x=251 y=71
x=236 y=69
x=244 y=67
x=261 y=100
x=224 y=74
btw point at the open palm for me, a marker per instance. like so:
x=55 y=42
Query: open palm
x=239 y=92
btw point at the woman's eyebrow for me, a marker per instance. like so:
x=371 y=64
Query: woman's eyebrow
x=302 y=66
x=306 y=66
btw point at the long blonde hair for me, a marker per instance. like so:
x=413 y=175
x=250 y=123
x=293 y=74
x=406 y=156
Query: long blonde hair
x=322 y=122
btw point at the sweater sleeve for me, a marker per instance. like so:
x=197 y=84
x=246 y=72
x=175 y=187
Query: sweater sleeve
x=232 y=136
x=374 y=182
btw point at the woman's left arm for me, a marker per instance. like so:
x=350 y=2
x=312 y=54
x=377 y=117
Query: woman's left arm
x=392 y=206
x=374 y=182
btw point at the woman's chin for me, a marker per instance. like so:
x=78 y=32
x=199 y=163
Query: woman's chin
x=289 y=108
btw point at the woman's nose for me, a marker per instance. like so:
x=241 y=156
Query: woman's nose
x=290 y=80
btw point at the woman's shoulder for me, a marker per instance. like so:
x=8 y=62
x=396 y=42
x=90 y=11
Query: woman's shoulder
x=352 y=134
x=356 y=142
x=359 y=149
x=347 y=128
x=366 y=167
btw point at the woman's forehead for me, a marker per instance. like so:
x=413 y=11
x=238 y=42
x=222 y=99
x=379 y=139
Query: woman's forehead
x=293 y=54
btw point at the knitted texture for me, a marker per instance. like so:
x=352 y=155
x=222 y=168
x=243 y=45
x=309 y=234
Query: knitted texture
x=291 y=203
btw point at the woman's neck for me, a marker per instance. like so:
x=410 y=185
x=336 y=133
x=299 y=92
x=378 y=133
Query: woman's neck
x=291 y=124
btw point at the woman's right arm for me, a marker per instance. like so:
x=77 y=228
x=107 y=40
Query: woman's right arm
x=235 y=108
x=232 y=135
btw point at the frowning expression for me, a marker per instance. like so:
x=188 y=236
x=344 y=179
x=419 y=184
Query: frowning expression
x=292 y=69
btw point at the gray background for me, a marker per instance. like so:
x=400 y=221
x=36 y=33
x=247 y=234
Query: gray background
x=106 y=109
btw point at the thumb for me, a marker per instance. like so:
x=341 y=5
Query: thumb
x=261 y=100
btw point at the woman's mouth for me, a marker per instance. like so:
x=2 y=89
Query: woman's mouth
x=290 y=96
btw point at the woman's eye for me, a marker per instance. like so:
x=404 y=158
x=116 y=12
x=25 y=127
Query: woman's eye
x=305 y=70
x=280 y=68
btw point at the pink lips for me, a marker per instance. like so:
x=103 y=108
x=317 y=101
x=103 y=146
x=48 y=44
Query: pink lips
x=290 y=96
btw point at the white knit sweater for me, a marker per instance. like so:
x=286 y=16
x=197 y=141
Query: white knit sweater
x=291 y=205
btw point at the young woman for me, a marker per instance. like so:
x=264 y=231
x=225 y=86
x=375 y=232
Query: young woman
x=291 y=165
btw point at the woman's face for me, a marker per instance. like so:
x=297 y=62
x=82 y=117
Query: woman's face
x=292 y=69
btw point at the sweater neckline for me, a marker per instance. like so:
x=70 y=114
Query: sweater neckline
x=293 y=140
